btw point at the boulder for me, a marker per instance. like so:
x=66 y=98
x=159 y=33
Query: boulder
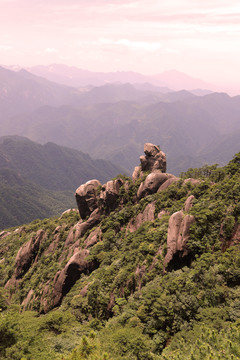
x=151 y=150
x=86 y=197
x=27 y=300
x=81 y=227
x=93 y=238
x=27 y=254
x=66 y=278
x=154 y=159
x=178 y=235
x=146 y=215
x=189 y=203
x=194 y=182
x=168 y=182
x=110 y=193
x=151 y=184
x=137 y=173
x=68 y=211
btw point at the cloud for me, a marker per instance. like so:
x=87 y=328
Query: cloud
x=5 y=47
x=50 y=50
x=135 y=45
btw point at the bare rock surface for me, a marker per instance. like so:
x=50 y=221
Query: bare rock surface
x=86 y=197
x=66 y=278
x=154 y=159
x=110 y=193
x=189 y=203
x=27 y=254
x=172 y=180
x=151 y=184
x=178 y=235
x=146 y=215
x=81 y=227
x=194 y=182
x=93 y=238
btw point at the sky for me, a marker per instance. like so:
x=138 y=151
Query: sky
x=198 y=37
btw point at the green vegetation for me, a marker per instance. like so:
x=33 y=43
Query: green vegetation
x=22 y=201
x=38 y=181
x=129 y=306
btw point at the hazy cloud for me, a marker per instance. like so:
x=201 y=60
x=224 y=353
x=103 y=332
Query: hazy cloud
x=50 y=50
x=199 y=37
x=135 y=45
x=5 y=47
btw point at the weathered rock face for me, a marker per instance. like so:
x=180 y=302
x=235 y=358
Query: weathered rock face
x=137 y=172
x=194 y=182
x=66 y=278
x=146 y=215
x=110 y=193
x=168 y=182
x=178 y=232
x=93 y=238
x=82 y=226
x=154 y=159
x=189 y=203
x=86 y=197
x=27 y=254
x=151 y=184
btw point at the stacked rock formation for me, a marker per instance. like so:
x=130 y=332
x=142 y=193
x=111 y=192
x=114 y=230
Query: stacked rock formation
x=154 y=159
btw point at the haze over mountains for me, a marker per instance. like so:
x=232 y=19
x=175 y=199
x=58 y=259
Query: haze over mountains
x=112 y=121
x=73 y=76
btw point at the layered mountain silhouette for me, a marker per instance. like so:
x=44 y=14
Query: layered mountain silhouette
x=113 y=121
x=73 y=76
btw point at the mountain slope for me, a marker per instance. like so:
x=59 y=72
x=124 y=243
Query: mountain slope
x=22 y=201
x=23 y=92
x=152 y=272
x=37 y=181
x=52 y=166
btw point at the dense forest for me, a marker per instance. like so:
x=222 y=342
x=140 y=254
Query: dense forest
x=117 y=290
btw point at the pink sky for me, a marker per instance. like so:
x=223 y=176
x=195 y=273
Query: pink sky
x=198 y=37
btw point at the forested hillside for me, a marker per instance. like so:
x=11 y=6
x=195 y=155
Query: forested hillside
x=149 y=271
x=38 y=181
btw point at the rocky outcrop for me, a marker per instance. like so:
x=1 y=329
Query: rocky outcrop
x=82 y=227
x=189 y=203
x=110 y=193
x=66 y=278
x=171 y=180
x=154 y=159
x=194 y=182
x=27 y=300
x=4 y=234
x=27 y=254
x=146 y=215
x=178 y=233
x=86 y=197
x=69 y=211
x=93 y=238
x=151 y=184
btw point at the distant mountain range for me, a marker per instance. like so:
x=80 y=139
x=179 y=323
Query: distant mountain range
x=76 y=77
x=114 y=120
